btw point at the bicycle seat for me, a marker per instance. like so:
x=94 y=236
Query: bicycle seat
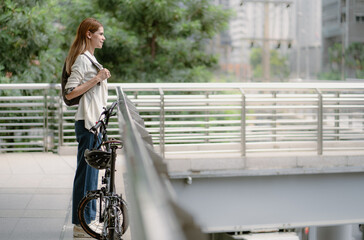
x=97 y=158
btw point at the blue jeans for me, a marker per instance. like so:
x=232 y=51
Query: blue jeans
x=86 y=177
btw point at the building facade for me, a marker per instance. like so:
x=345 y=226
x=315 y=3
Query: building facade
x=342 y=22
x=255 y=23
x=307 y=51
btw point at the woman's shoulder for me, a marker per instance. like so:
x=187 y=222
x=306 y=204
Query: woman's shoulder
x=81 y=61
x=81 y=58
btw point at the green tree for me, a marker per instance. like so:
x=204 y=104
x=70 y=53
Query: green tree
x=335 y=58
x=354 y=58
x=278 y=64
x=29 y=44
x=29 y=52
x=354 y=62
x=162 y=40
x=147 y=41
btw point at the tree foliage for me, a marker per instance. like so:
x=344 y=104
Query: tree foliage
x=146 y=41
x=278 y=64
x=29 y=42
x=353 y=58
x=162 y=40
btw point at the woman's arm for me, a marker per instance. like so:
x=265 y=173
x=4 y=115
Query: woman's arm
x=102 y=75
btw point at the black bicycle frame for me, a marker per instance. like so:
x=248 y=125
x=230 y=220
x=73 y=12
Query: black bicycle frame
x=112 y=169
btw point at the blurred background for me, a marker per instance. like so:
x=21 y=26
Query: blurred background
x=188 y=40
x=298 y=39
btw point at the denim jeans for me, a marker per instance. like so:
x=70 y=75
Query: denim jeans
x=86 y=177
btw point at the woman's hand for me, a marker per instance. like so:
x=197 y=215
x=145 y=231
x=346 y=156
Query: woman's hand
x=103 y=74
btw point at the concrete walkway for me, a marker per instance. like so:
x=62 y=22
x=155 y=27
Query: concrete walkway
x=35 y=196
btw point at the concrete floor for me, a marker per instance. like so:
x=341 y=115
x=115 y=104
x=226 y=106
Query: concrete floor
x=35 y=196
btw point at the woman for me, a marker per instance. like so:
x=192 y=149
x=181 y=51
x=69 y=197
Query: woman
x=87 y=80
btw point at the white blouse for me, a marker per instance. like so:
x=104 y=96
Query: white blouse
x=94 y=100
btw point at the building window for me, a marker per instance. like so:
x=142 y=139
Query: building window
x=359 y=18
x=343 y=17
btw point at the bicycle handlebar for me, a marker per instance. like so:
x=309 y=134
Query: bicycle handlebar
x=97 y=126
x=101 y=125
x=108 y=113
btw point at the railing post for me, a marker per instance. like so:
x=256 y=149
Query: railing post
x=207 y=119
x=274 y=117
x=337 y=118
x=161 y=121
x=136 y=97
x=45 y=121
x=319 y=123
x=243 y=124
x=60 y=120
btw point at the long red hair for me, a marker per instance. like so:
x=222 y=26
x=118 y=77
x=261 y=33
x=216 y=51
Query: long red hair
x=79 y=45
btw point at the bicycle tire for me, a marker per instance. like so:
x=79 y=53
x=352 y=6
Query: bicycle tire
x=121 y=215
x=95 y=228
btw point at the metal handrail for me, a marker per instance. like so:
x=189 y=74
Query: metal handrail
x=153 y=214
x=202 y=86
x=241 y=118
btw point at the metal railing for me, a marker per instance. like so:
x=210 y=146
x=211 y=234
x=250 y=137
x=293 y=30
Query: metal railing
x=201 y=118
x=155 y=213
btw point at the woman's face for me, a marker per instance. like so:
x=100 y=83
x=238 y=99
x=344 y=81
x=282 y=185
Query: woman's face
x=97 y=38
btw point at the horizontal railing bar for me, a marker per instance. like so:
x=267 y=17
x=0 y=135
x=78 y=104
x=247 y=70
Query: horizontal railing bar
x=182 y=130
x=22 y=98
x=24 y=104
x=194 y=122
x=249 y=128
x=213 y=122
x=21 y=124
x=192 y=116
x=20 y=149
x=343 y=120
x=343 y=99
x=343 y=106
x=211 y=141
x=229 y=115
x=199 y=135
x=254 y=97
x=344 y=148
x=260 y=107
x=338 y=86
x=285 y=128
x=281 y=149
x=69 y=144
x=224 y=108
x=18 y=118
x=40 y=111
x=230 y=100
x=20 y=143
x=14 y=130
x=212 y=99
x=29 y=86
x=21 y=137
x=338 y=128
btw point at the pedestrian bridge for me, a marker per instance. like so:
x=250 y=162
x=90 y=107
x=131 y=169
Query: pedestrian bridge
x=236 y=157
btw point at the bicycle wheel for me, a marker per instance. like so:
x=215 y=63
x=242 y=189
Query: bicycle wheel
x=96 y=227
x=116 y=218
x=122 y=220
